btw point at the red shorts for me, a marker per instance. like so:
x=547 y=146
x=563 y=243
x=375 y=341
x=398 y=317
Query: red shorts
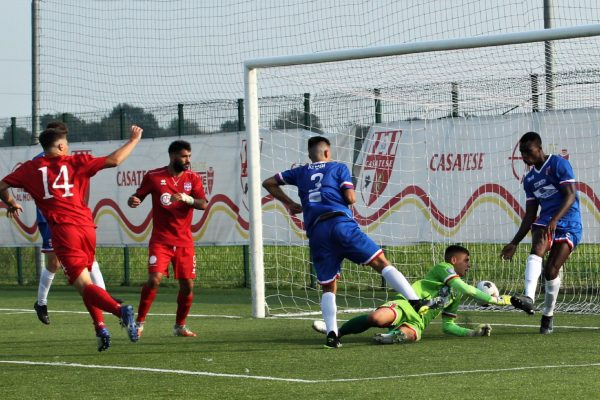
x=182 y=258
x=75 y=247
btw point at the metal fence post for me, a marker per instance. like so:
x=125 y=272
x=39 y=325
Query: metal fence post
x=180 y=120
x=126 y=267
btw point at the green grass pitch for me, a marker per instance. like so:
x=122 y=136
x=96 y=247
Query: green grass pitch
x=236 y=356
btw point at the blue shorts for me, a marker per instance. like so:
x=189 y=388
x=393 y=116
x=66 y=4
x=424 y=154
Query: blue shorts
x=571 y=235
x=46 y=237
x=333 y=240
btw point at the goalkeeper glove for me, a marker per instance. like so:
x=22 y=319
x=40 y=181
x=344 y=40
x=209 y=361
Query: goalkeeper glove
x=502 y=300
x=482 y=330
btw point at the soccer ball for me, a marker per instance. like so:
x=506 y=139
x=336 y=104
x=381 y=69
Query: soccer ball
x=488 y=287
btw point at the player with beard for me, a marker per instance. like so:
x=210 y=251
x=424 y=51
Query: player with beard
x=176 y=191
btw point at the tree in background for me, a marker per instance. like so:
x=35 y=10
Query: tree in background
x=294 y=119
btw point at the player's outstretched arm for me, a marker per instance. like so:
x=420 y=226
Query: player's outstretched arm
x=14 y=208
x=274 y=187
x=118 y=156
x=509 y=250
x=452 y=328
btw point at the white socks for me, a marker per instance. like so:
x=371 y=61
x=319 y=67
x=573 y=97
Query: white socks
x=96 y=275
x=533 y=270
x=552 y=288
x=329 y=310
x=398 y=282
x=46 y=278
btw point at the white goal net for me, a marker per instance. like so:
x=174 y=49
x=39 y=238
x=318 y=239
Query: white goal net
x=431 y=139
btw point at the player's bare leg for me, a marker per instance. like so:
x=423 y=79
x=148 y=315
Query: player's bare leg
x=185 y=298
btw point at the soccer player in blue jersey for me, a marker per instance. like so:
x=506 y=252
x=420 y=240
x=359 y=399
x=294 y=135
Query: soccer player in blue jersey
x=405 y=325
x=325 y=189
x=550 y=185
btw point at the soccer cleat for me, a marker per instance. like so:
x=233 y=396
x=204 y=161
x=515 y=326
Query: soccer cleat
x=128 y=322
x=320 y=327
x=42 y=313
x=103 y=339
x=392 y=337
x=547 y=325
x=524 y=303
x=140 y=328
x=332 y=341
x=182 y=330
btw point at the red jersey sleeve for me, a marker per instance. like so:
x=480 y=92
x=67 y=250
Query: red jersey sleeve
x=90 y=165
x=18 y=177
x=145 y=188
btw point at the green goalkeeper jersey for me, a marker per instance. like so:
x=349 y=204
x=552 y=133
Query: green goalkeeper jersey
x=441 y=281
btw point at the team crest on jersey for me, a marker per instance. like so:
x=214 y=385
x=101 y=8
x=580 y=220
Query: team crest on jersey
x=378 y=163
x=187 y=186
x=165 y=199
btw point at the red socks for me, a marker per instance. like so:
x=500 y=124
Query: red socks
x=184 y=303
x=147 y=297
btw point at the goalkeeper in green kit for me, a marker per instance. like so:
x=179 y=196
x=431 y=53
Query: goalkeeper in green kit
x=444 y=282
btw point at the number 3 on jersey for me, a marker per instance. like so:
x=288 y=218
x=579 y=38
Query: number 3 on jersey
x=314 y=195
x=65 y=185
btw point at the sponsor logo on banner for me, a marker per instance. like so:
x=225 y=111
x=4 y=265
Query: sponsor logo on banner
x=378 y=164
x=244 y=170
x=208 y=178
x=520 y=169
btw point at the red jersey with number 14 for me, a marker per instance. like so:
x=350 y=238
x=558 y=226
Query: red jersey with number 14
x=58 y=186
x=171 y=221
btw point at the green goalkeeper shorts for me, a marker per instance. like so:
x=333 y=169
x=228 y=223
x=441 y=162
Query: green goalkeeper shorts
x=405 y=315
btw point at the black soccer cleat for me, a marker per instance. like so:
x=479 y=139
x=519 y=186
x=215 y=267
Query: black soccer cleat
x=523 y=303
x=332 y=341
x=547 y=325
x=42 y=313
x=422 y=306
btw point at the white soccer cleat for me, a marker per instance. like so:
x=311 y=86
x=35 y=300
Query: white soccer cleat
x=392 y=337
x=320 y=327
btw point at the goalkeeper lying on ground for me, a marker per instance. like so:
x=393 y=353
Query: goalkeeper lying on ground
x=406 y=325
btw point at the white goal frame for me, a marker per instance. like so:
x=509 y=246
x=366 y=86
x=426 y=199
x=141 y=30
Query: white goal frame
x=252 y=66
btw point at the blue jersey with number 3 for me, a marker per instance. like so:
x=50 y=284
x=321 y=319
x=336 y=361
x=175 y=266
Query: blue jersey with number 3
x=320 y=187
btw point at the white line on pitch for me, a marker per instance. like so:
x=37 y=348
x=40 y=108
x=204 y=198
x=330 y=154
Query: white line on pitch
x=24 y=311
x=272 y=378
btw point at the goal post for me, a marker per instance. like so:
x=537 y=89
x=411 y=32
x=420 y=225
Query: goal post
x=253 y=112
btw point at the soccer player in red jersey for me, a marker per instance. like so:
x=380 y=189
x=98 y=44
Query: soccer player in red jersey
x=58 y=183
x=176 y=191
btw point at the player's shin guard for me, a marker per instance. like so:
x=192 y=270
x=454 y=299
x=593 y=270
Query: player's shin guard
x=184 y=303
x=46 y=278
x=329 y=310
x=533 y=270
x=398 y=282
x=552 y=288
x=146 y=298
x=98 y=297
